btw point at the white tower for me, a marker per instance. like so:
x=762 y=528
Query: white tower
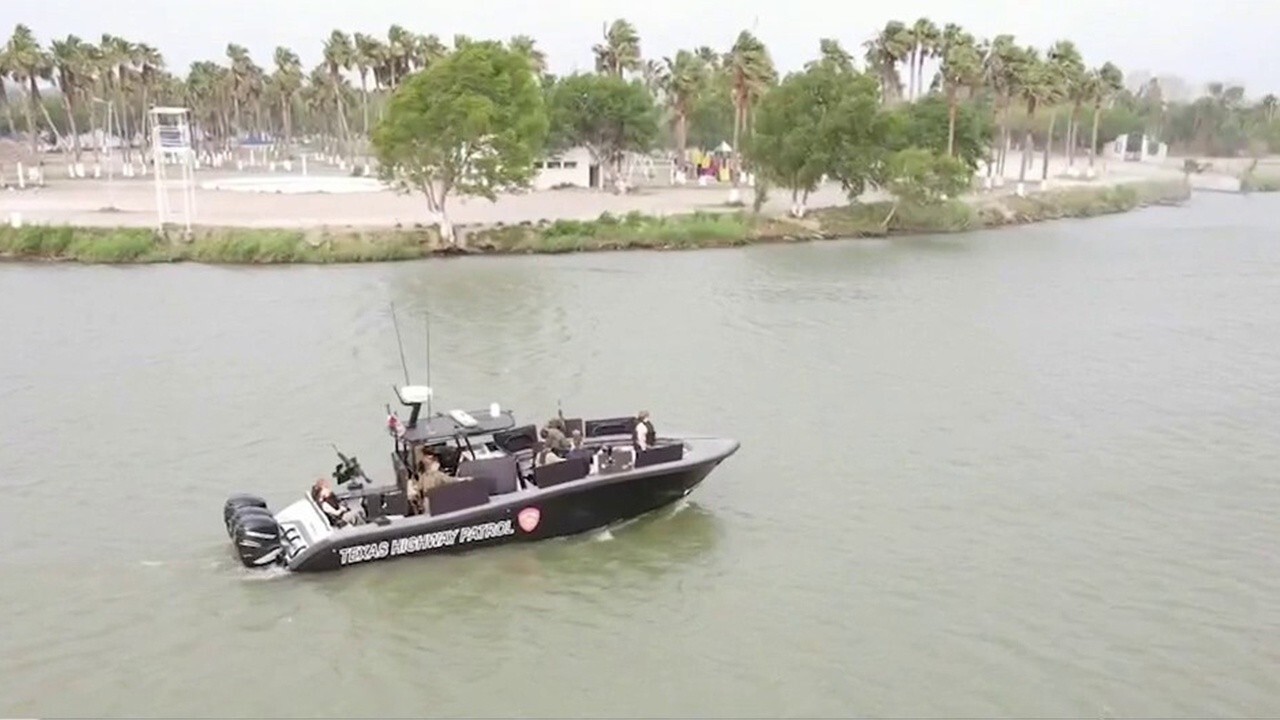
x=171 y=149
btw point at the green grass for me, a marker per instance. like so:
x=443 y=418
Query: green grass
x=210 y=245
x=612 y=232
x=607 y=232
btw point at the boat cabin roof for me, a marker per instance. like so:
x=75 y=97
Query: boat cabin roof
x=444 y=426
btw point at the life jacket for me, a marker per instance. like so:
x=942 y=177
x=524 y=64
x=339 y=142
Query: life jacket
x=649 y=435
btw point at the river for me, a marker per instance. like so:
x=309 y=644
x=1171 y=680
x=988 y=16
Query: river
x=1029 y=472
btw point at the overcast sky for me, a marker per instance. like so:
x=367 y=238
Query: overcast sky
x=1230 y=40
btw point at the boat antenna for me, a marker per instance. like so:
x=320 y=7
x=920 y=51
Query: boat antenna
x=427 y=321
x=400 y=344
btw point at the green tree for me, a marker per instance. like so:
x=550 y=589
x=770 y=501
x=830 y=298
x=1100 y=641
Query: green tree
x=1104 y=83
x=797 y=130
x=472 y=123
x=929 y=124
x=682 y=79
x=620 y=51
x=961 y=71
x=751 y=72
x=606 y=114
x=921 y=176
x=1065 y=72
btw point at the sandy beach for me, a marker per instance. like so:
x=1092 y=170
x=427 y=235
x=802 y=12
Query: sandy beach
x=85 y=202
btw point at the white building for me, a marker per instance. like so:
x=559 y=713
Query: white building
x=573 y=167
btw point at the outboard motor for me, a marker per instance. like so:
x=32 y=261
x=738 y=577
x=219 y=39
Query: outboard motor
x=253 y=530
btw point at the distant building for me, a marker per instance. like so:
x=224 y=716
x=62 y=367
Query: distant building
x=573 y=168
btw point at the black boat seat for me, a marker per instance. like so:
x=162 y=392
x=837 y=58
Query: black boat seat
x=555 y=473
x=660 y=454
x=517 y=439
x=620 y=459
x=459 y=495
x=500 y=473
x=609 y=426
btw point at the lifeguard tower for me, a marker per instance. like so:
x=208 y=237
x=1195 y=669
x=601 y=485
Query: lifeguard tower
x=173 y=158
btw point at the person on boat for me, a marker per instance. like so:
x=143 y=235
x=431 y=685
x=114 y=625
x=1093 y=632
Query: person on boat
x=429 y=473
x=643 y=435
x=554 y=440
x=334 y=509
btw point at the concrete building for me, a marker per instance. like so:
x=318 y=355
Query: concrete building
x=573 y=167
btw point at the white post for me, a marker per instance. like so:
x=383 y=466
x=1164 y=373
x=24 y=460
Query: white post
x=304 y=163
x=22 y=177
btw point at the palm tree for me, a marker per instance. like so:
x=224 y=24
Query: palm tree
x=367 y=53
x=71 y=60
x=287 y=80
x=708 y=56
x=833 y=54
x=1064 y=70
x=890 y=46
x=961 y=71
x=924 y=38
x=1032 y=85
x=401 y=47
x=1106 y=81
x=429 y=48
x=150 y=64
x=28 y=64
x=620 y=51
x=337 y=57
x=115 y=59
x=999 y=70
x=750 y=71
x=682 y=79
x=527 y=46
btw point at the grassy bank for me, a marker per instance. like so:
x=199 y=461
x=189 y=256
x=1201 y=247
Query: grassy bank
x=632 y=231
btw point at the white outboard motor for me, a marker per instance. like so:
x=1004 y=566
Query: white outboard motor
x=253 y=530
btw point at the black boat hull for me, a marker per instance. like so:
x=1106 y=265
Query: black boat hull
x=565 y=510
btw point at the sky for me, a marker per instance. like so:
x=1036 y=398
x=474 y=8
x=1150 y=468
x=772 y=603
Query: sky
x=1229 y=40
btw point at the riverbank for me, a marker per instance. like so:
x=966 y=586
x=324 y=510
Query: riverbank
x=703 y=229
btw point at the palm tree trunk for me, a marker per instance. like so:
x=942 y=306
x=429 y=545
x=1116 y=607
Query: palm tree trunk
x=287 y=121
x=682 y=138
x=364 y=100
x=911 y=75
x=93 y=134
x=1048 y=145
x=951 y=121
x=8 y=109
x=1027 y=148
x=67 y=101
x=737 y=130
x=1093 y=146
x=29 y=112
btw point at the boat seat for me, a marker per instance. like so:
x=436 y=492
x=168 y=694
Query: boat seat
x=500 y=473
x=555 y=473
x=618 y=460
x=609 y=426
x=460 y=495
x=517 y=439
x=571 y=424
x=660 y=454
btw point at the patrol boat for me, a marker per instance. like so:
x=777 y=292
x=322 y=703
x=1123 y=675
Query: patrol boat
x=499 y=493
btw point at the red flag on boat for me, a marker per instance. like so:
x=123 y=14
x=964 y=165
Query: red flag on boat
x=394 y=426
